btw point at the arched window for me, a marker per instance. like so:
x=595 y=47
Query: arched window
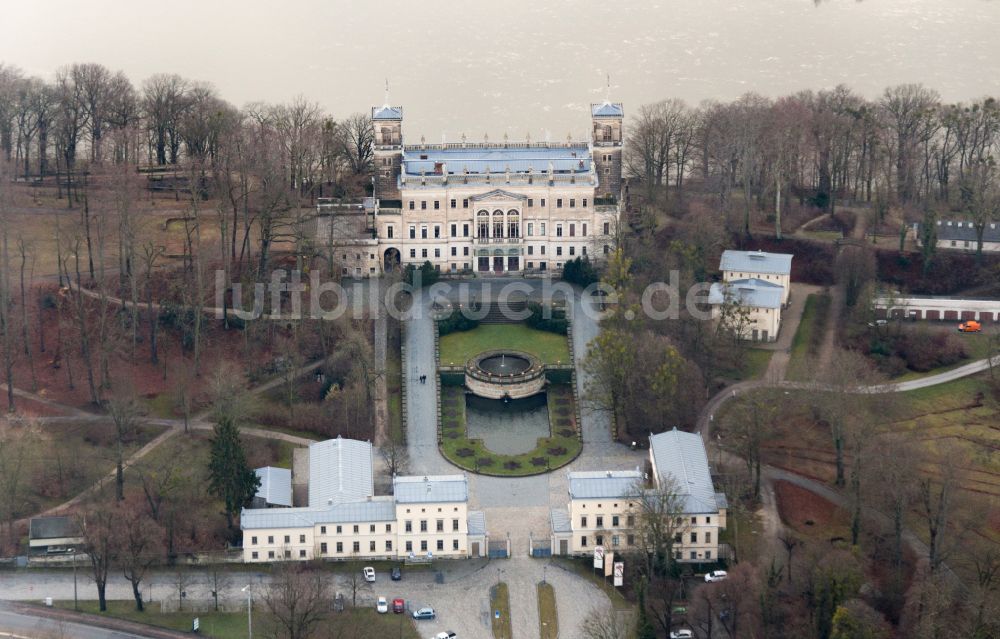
x=386 y=135
x=497 y=223
x=483 y=224
x=513 y=224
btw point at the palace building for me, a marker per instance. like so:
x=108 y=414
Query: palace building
x=496 y=207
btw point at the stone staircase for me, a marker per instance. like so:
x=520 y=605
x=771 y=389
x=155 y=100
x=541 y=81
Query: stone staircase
x=495 y=316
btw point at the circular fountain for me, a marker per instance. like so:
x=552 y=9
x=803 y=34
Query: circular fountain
x=505 y=375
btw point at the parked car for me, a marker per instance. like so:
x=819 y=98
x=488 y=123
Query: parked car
x=398 y=605
x=369 y=573
x=382 y=606
x=716 y=575
x=445 y=635
x=972 y=326
x=396 y=573
x=423 y=613
x=683 y=633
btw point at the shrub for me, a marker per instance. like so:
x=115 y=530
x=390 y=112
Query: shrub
x=580 y=271
x=485 y=461
x=465 y=452
x=539 y=461
x=547 y=318
x=456 y=322
x=512 y=465
x=566 y=432
x=556 y=451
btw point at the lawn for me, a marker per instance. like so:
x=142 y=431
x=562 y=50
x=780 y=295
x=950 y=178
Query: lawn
x=755 y=362
x=393 y=377
x=977 y=345
x=220 y=625
x=962 y=415
x=808 y=337
x=500 y=601
x=743 y=531
x=561 y=447
x=548 y=617
x=233 y=625
x=458 y=348
x=59 y=461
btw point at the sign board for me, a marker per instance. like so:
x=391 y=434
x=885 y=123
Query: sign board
x=619 y=572
x=195 y=625
x=598 y=556
x=496 y=614
x=608 y=562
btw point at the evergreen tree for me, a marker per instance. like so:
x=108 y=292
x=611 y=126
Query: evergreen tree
x=230 y=478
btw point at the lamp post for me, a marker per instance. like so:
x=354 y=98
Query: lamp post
x=76 y=601
x=249 y=592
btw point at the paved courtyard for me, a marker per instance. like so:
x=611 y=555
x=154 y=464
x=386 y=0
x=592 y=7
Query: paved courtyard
x=515 y=507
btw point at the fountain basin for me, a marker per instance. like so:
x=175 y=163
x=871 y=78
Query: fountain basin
x=505 y=374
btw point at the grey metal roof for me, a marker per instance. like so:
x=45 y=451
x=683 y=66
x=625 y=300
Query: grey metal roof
x=560 y=521
x=378 y=509
x=52 y=527
x=430 y=489
x=749 y=292
x=721 y=500
x=681 y=457
x=961 y=230
x=607 y=110
x=536 y=160
x=756 y=262
x=386 y=112
x=340 y=470
x=604 y=484
x=275 y=485
x=477 y=522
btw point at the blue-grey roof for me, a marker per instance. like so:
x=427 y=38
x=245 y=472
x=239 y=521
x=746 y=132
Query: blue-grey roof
x=340 y=470
x=560 y=521
x=607 y=110
x=56 y=527
x=751 y=292
x=756 y=262
x=604 y=484
x=477 y=522
x=964 y=231
x=535 y=159
x=680 y=459
x=275 y=485
x=375 y=510
x=430 y=489
x=386 y=112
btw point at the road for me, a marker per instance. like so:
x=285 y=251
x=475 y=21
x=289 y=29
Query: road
x=22 y=623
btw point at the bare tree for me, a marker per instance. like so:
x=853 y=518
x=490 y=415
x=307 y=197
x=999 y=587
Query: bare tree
x=137 y=542
x=355 y=137
x=607 y=624
x=297 y=601
x=123 y=407
x=99 y=525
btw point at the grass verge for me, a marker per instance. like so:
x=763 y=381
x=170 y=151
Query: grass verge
x=500 y=602
x=809 y=336
x=548 y=617
x=233 y=625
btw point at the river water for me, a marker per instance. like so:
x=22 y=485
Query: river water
x=520 y=67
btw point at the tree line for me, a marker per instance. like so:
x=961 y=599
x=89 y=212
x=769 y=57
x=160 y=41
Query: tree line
x=90 y=115
x=905 y=149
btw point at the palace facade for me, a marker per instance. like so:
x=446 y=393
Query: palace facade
x=496 y=207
